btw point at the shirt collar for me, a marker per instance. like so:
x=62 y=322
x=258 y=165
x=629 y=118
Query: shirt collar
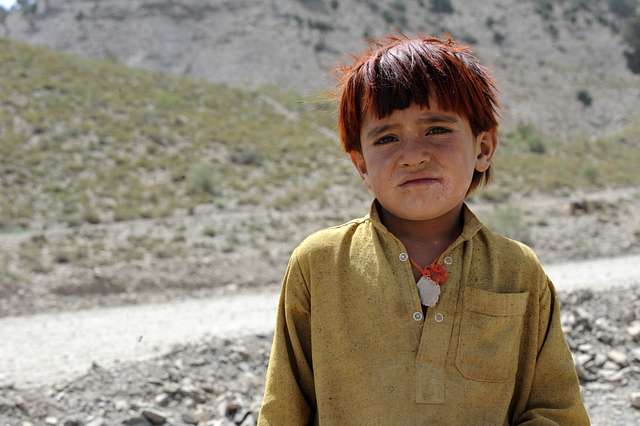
x=471 y=223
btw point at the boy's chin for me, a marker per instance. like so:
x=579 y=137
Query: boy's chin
x=418 y=212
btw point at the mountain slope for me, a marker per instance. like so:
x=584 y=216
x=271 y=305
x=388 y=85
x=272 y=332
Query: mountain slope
x=560 y=65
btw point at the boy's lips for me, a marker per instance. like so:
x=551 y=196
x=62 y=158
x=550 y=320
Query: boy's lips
x=417 y=180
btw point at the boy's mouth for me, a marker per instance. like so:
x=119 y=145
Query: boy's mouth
x=419 y=181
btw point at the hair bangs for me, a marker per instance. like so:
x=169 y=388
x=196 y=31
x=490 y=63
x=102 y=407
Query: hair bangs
x=403 y=71
x=400 y=77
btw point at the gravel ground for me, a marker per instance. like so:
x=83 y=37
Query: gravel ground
x=220 y=381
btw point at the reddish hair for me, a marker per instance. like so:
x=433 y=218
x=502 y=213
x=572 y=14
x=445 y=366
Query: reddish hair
x=396 y=71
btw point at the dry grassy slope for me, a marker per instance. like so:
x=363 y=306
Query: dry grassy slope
x=543 y=52
x=86 y=141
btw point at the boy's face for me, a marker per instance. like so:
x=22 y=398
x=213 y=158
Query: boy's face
x=419 y=162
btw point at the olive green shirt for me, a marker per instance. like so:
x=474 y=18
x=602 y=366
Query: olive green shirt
x=351 y=346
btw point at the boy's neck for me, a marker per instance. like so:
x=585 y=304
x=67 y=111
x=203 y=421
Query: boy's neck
x=437 y=233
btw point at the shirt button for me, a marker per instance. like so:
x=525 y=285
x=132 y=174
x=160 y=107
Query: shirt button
x=439 y=317
x=404 y=256
x=417 y=316
x=448 y=260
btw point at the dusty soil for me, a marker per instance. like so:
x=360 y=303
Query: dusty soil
x=60 y=269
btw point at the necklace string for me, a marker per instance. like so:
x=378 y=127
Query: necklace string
x=436 y=272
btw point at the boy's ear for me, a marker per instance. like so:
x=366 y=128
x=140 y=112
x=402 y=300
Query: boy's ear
x=486 y=144
x=358 y=161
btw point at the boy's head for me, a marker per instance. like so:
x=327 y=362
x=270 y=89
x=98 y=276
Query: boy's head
x=414 y=108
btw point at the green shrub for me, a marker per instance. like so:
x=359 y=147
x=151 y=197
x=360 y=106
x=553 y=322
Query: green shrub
x=527 y=136
x=92 y=217
x=387 y=16
x=544 y=8
x=441 y=6
x=622 y=8
x=632 y=38
x=201 y=178
x=399 y=6
x=584 y=97
x=209 y=232
x=592 y=174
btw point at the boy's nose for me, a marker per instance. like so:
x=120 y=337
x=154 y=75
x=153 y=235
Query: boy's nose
x=415 y=154
x=416 y=162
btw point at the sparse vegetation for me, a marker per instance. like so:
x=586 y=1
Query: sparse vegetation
x=201 y=178
x=591 y=174
x=399 y=6
x=525 y=135
x=632 y=38
x=209 y=232
x=544 y=8
x=584 y=97
x=622 y=8
x=395 y=15
x=509 y=221
x=519 y=168
x=442 y=6
x=106 y=143
x=136 y=144
x=498 y=38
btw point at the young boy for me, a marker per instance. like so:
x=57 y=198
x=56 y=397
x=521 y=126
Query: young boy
x=417 y=314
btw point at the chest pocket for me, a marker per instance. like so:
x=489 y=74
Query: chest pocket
x=490 y=332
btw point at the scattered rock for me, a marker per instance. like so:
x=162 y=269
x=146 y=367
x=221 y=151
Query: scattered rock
x=599 y=360
x=154 y=417
x=137 y=421
x=121 y=405
x=162 y=399
x=635 y=400
x=220 y=422
x=227 y=389
x=97 y=422
x=189 y=419
x=634 y=331
x=618 y=357
x=613 y=376
x=6 y=404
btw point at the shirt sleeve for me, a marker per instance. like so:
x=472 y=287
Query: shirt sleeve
x=554 y=397
x=289 y=396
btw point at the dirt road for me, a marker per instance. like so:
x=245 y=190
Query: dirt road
x=41 y=349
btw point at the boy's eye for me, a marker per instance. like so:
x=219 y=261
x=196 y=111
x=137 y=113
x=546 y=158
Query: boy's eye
x=437 y=130
x=385 y=139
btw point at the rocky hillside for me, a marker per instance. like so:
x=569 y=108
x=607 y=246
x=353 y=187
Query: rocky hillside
x=121 y=184
x=560 y=64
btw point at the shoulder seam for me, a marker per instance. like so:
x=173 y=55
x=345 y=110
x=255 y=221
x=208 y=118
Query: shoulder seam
x=356 y=220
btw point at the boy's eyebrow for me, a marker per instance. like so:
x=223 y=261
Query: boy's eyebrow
x=380 y=129
x=437 y=118
x=427 y=119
